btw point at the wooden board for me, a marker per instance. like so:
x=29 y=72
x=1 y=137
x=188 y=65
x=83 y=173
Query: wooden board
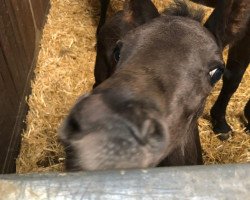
x=21 y=23
x=197 y=182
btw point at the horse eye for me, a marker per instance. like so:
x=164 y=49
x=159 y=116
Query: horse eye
x=116 y=53
x=216 y=74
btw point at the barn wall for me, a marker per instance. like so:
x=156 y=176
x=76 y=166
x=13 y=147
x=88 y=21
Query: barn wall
x=21 y=22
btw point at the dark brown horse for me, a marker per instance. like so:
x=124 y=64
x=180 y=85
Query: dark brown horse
x=146 y=113
x=238 y=58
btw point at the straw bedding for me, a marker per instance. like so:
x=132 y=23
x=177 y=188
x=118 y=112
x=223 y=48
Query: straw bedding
x=64 y=71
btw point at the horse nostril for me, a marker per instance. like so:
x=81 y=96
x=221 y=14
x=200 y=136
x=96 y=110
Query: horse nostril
x=73 y=126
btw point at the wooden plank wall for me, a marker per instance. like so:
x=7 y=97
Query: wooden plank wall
x=21 y=23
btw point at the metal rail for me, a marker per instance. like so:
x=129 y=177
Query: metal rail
x=196 y=182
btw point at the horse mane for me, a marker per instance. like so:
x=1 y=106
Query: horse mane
x=181 y=8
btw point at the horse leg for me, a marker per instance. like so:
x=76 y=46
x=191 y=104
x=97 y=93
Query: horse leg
x=238 y=61
x=104 y=8
x=247 y=115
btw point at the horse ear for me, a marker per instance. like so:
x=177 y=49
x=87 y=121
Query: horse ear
x=139 y=11
x=229 y=20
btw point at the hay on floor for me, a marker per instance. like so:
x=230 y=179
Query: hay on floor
x=64 y=71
